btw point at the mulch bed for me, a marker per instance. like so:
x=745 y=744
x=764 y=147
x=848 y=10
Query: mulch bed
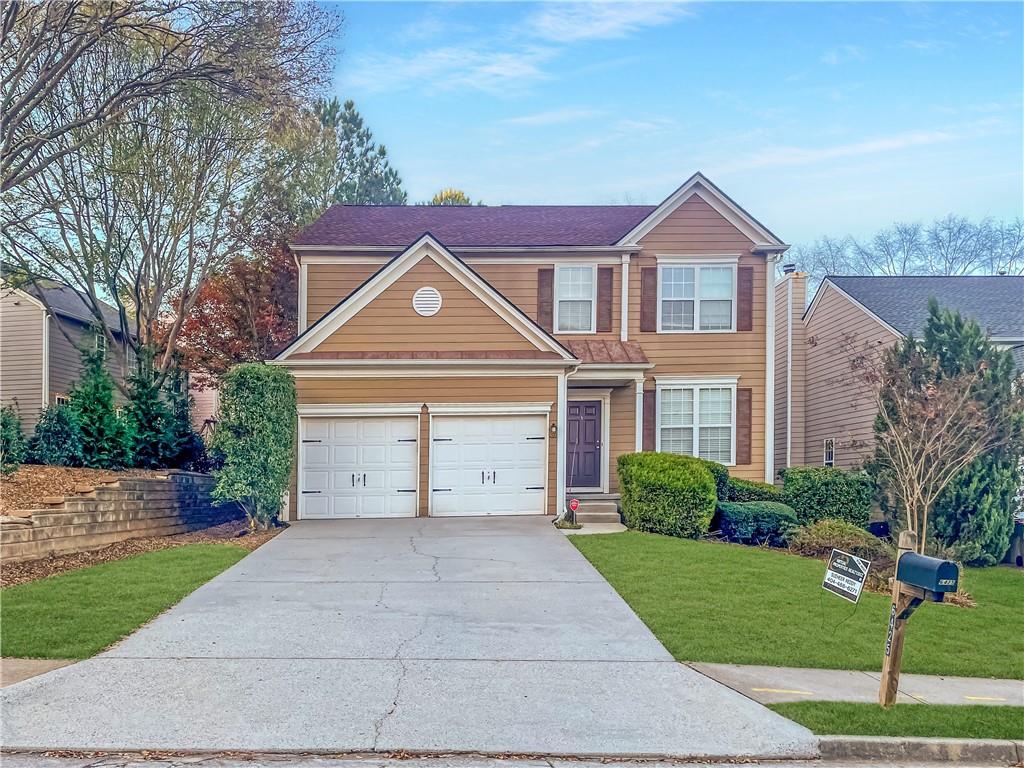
x=31 y=483
x=235 y=533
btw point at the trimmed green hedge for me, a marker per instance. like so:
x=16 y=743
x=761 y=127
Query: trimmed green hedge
x=756 y=522
x=721 y=476
x=817 y=493
x=750 y=490
x=820 y=538
x=666 y=493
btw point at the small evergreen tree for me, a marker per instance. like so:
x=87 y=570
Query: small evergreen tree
x=58 y=438
x=106 y=438
x=12 y=441
x=148 y=415
x=255 y=435
x=186 y=449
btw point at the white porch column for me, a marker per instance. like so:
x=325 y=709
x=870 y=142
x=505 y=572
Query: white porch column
x=769 y=368
x=624 y=309
x=638 y=386
x=560 y=442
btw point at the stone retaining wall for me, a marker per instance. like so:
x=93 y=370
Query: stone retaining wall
x=126 y=509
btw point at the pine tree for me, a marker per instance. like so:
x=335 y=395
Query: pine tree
x=186 y=449
x=106 y=439
x=148 y=415
x=974 y=516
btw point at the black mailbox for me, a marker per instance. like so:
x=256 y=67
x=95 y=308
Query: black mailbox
x=928 y=573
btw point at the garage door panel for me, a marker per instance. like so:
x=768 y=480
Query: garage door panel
x=494 y=465
x=361 y=467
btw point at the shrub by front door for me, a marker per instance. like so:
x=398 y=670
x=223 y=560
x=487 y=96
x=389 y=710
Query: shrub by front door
x=583 y=444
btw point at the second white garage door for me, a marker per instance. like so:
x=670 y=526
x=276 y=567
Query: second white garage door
x=358 y=467
x=488 y=465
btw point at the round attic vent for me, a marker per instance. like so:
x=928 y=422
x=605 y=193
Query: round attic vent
x=427 y=301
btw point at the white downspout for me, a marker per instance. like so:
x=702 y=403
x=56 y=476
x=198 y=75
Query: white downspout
x=769 y=370
x=789 y=371
x=560 y=443
x=624 y=308
x=46 y=360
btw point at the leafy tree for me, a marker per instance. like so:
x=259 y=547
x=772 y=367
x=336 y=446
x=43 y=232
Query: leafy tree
x=450 y=196
x=365 y=175
x=57 y=440
x=12 y=441
x=940 y=409
x=106 y=440
x=255 y=436
x=247 y=313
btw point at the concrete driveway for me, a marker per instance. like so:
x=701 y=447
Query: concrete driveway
x=453 y=635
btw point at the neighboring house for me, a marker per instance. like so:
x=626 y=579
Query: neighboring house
x=824 y=412
x=40 y=350
x=474 y=360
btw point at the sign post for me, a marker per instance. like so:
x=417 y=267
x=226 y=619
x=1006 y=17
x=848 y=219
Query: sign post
x=898 y=615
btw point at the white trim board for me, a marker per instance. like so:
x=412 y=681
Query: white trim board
x=360 y=409
x=700 y=185
x=489 y=409
x=426 y=247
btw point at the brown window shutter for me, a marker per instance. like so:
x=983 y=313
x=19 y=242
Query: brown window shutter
x=605 y=298
x=744 y=405
x=745 y=299
x=546 y=299
x=650 y=420
x=649 y=299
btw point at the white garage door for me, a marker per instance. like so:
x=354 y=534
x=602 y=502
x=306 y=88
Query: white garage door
x=357 y=467
x=488 y=465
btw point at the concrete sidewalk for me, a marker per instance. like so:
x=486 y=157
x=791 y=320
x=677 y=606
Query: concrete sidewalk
x=771 y=685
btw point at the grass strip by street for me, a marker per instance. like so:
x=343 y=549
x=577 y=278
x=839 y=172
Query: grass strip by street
x=733 y=604
x=841 y=718
x=77 y=614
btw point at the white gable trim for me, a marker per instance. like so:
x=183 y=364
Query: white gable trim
x=700 y=186
x=825 y=284
x=426 y=247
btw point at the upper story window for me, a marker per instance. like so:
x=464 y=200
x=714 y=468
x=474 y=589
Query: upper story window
x=99 y=342
x=575 y=299
x=696 y=298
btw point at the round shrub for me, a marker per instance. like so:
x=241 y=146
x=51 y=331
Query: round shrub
x=750 y=490
x=666 y=493
x=12 y=441
x=57 y=439
x=755 y=522
x=820 y=538
x=721 y=475
x=817 y=493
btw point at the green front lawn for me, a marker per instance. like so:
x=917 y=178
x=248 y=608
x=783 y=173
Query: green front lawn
x=77 y=614
x=745 y=605
x=834 y=718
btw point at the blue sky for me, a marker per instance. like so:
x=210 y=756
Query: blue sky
x=818 y=118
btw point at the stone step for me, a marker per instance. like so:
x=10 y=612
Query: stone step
x=583 y=518
x=598 y=506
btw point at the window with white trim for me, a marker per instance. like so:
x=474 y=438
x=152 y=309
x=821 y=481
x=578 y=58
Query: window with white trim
x=61 y=400
x=696 y=298
x=828 y=452
x=698 y=420
x=99 y=342
x=575 y=299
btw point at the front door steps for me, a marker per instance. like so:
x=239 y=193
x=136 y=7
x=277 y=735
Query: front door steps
x=597 y=508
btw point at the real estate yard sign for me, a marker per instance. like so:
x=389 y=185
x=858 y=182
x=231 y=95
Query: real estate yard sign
x=845 y=575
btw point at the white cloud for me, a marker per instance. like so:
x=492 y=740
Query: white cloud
x=601 y=21
x=843 y=54
x=450 y=67
x=927 y=46
x=553 y=117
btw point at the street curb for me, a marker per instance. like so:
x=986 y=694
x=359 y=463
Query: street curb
x=995 y=751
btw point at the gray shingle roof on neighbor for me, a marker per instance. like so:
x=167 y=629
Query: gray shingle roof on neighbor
x=474 y=225
x=996 y=302
x=67 y=302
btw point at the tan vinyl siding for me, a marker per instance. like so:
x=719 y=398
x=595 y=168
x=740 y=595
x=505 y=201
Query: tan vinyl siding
x=389 y=323
x=622 y=429
x=66 y=357
x=794 y=366
x=21 y=357
x=475 y=389
x=696 y=228
x=838 y=404
x=327 y=284
x=518 y=284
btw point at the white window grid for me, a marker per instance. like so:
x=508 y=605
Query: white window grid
x=697 y=420
x=576 y=287
x=693 y=286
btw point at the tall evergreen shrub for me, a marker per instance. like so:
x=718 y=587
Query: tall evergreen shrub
x=106 y=438
x=12 y=441
x=58 y=438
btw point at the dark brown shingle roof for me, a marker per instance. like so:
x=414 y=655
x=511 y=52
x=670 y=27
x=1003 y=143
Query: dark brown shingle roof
x=474 y=225
x=607 y=351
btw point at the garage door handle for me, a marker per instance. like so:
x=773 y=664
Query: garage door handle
x=364 y=479
x=494 y=477
x=353 y=479
x=481 y=477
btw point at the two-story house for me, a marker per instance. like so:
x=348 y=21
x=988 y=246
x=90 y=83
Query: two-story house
x=495 y=360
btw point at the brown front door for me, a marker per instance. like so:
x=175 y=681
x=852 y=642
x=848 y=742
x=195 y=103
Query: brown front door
x=583 y=448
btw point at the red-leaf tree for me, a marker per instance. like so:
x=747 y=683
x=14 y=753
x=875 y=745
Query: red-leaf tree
x=246 y=313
